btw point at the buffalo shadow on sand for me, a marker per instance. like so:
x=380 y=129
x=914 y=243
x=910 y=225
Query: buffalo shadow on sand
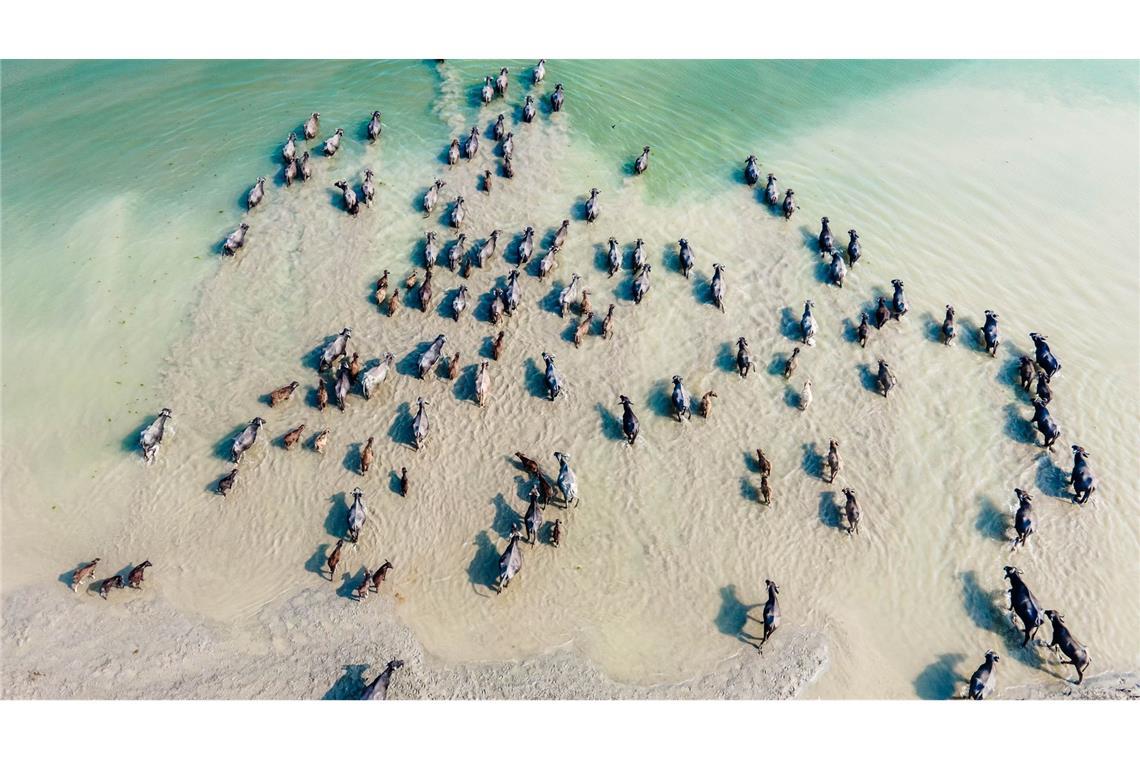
x=505 y=518
x=812 y=461
x=869 y=378
x=829 y=509
x=317 y=562
x=350 y=684
x=701 y=287
x=350 y=582
x=790 y=325
x=352 y=455
x=931 y=327
x=400 y=430
x=850 y=330
x=536 y=379
x=463 y=389
x=611 y=424
x=487 y=347
x=1016 y=427
x=778 y=362
x=726 y=358
x=940 y=679
x=1051 y=480
x=991 y=521
x=336 y=521
x=660 y=400
x=970 y=335
x=732 y=616
x=483 y=570
x=748 y=491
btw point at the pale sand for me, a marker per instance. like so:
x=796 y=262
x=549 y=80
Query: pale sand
x=317 y=645
x=625 y=592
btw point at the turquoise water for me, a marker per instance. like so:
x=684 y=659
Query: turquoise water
x=179 y=142
x=1010 y=185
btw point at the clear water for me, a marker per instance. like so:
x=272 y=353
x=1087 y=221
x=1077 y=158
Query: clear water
x=1003 y=185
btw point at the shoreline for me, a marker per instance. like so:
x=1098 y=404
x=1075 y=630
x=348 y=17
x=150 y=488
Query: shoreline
x=306 y=647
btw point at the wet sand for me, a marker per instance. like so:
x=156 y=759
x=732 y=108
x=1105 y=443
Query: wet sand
x=662 y=566
x=314 y=646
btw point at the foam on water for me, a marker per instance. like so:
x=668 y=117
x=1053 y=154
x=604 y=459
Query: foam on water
x=977 y=184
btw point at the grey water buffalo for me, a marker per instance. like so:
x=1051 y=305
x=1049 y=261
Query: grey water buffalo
x=984 y=680
x=743 y=357
x=641 y=283
x=150 y=439
x=592 y=206
x=235 y=240
x=510 y=562
x=807 y=324
x=686 y=257
x=1045 y=423
x=629 y=424
x=312 y=125
x=431 y=356
x=948 y=328
x=245 y=439
x=1023 y=603
x=771 y=614
x=837 y=270
x=718 y=286
x=833 y=462
x=851 y=512
x=854 y=248
x=990 y=332
x=567 y=481
x=533 y=518
x=789 y=206
x=420 y=426
x=378 y=688
x=1082 y=478
x=1023 y=524
x=771 y=192
x=682 y=402
x=256 y=194
x=356 y=515
x=1077 y=652
x=826 y=240
x=332 y=145
x=335 y=349
x=371 y=378
x=641 y=165
x=431 y=197
x=885 y=379
x=553 y=381
x=1045 y=358
x=751 y=171
x=899 y=305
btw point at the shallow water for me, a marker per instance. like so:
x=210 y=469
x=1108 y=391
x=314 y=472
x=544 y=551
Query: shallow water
x=1005 y=186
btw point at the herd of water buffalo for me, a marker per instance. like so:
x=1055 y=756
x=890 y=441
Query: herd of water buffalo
x=340 y=369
